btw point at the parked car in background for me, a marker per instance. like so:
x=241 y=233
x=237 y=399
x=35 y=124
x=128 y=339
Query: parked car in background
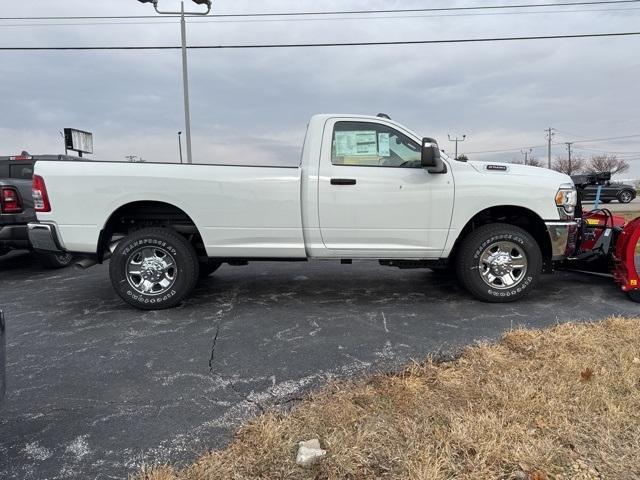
x=16 y=207
x=622 y=192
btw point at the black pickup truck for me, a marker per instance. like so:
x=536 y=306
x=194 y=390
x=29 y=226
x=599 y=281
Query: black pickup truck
x=16 y=206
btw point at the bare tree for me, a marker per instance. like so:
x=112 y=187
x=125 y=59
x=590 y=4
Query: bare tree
x=562 y=164
x=607 y=163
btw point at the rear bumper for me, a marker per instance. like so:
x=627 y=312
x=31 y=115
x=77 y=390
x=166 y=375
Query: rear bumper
x=563 y=235
x=14 y=236
x=44 y=237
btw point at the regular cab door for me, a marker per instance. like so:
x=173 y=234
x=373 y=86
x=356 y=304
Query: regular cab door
x=375 y=199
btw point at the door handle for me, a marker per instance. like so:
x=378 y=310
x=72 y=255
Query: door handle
x=343 y=181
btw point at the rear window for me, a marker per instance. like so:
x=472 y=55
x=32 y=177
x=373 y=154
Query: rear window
x=4 y=170
x=21 y=171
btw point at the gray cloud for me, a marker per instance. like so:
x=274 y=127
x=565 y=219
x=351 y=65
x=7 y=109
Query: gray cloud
x=254 y=104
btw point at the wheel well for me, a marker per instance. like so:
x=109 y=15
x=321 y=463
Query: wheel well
x=517 y=216
x=137 y=215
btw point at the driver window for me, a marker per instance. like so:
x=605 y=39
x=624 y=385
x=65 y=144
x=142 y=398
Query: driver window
x=363 y=144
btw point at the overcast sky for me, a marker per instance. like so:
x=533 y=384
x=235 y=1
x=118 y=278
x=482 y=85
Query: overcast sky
x=253 y=105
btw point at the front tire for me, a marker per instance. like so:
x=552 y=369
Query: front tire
x=499 y=263
x=154 y=269
x=625 y=196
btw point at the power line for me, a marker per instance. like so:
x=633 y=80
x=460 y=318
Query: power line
x=345 y=12
x=605 y=139
x=200 y=21
x=517 y=149
x=317 y=45
x=633 y=154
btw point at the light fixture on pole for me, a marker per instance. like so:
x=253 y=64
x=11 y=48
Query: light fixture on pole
x=457 y=140
x=185 y=68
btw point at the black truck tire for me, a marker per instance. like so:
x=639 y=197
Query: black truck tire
x=54 y=260
x=499 y=263
x=154 y=269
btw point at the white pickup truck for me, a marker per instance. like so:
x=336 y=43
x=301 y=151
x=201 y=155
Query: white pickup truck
x=366 y=188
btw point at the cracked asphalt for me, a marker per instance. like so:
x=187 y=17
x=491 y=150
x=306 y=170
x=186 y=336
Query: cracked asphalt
x=96 y=389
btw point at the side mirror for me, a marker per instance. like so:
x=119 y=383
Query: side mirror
x=431 y=159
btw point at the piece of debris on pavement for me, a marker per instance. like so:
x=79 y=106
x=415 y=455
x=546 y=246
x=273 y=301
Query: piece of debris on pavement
x=310 y=453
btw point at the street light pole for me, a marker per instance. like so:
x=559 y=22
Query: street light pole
x=185 y=82
x=185 y=67
x=464 y=137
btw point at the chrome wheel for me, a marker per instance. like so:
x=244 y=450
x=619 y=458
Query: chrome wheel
x=151 y=270
x=503 y=265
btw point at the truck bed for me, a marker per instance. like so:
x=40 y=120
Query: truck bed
x=240 y=211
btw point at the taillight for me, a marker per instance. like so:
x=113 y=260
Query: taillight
x=9 y=200
x=21 y=157
x=40 y=197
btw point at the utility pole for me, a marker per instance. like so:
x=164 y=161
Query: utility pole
x=526 y=155
x=569 y=144
x=185 y=68
x=457 y=140
x=550 y=136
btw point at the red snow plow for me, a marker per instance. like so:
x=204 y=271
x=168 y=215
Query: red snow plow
x=606 y=243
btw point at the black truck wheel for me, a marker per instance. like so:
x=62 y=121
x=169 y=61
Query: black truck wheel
x=154 y=269
x=499 y=263
x=54 y=260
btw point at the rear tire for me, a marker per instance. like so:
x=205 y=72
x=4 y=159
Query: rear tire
x=499 y=263
x=55 y=261
x=154 y=269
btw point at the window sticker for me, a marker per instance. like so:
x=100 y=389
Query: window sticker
x=383 y=145
x=361 y=143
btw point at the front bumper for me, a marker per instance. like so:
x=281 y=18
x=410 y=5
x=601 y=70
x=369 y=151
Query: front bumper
x=44 y=237
x=563 y=236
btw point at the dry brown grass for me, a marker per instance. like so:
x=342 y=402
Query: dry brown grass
x=560 y=403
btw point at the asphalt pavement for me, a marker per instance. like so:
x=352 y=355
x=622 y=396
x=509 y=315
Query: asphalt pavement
x=97 y=389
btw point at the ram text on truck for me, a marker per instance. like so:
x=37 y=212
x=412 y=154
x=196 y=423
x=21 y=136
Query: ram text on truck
x=366 y=188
